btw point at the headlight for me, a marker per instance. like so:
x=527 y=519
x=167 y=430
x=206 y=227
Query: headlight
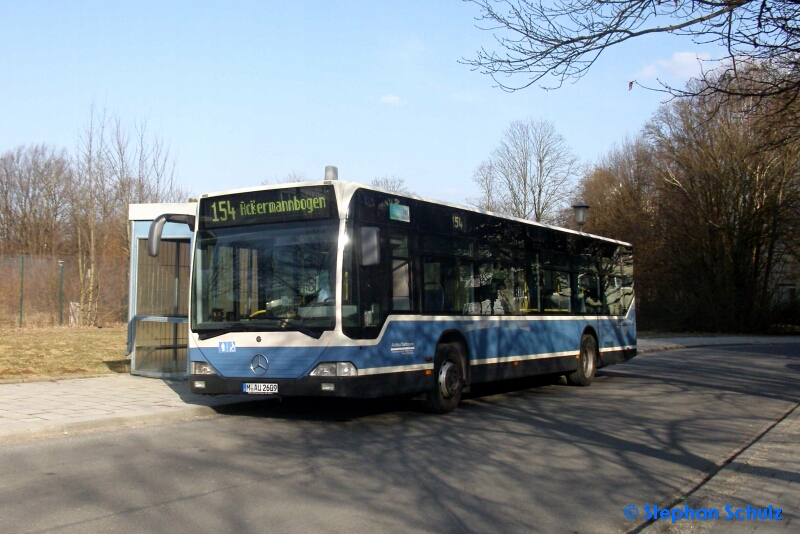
x=346 y=369
x=202 y=368
x=335 y=369
x=324 y=369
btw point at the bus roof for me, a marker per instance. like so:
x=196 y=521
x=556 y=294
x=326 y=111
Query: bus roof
x=345 y=190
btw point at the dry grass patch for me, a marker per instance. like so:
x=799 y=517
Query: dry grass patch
x=62 y=351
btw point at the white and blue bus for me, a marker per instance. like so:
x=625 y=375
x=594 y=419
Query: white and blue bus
x=334 y=288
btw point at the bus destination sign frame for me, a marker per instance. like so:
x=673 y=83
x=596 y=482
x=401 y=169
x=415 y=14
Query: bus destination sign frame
x=268 y=206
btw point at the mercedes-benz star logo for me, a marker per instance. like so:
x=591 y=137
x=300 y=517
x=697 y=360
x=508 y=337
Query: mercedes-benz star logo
x=259 y=364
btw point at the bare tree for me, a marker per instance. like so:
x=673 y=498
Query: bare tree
x=529 y=175
x=732 y=208
x=712 y=212
x=622 y=189
x=291 y=178
x=484 y=178
x=88 y=192
x=113 y=167
x=141 y=168
x=32 y=200
x=56 y=205
x=151 y=172
x=562 y=40
x=391 y=183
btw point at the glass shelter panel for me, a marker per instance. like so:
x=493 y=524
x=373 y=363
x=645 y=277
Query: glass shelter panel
x=160 y=324
x=160 y=347
x=164 y=279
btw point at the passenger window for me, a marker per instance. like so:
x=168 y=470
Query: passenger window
x=589 y=294
x=401 y=271
x=508 y=291
x=350 y=287
x=520 y=303
x=449 y=286
x=556 y=292
x=533 y=287
x=626 y=300
x=433 y=289
x=612 y=291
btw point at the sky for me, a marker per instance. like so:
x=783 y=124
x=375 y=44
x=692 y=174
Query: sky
x=245 y=92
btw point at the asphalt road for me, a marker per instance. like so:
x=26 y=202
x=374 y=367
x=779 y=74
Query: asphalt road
x=521 y=457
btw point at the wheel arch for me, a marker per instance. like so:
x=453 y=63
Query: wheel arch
x=590 y=330
x=455 y=336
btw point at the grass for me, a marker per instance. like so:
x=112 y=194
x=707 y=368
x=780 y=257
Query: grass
x=51 y=352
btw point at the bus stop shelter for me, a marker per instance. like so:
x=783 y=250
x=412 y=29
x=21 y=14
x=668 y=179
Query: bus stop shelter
x=158 y=296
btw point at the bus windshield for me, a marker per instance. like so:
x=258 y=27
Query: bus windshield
x=274 y=277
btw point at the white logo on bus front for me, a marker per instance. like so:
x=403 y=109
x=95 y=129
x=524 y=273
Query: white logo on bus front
x=227 y=346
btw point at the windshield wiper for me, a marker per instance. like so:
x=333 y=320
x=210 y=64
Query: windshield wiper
x=242 y=327
x=316 y=334
x=238 y=327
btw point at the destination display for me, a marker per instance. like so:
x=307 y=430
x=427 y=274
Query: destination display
x=267 y=206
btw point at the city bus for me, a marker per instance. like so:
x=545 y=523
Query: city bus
x=338 y=289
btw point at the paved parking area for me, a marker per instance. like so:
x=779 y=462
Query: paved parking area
x=767 y=471
x=50 y=408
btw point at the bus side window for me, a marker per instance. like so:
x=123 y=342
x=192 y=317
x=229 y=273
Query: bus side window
x=374 y=286
x=433 y=290
x=556 y=291
x=401 y=271
x=614 y=298
x=443 y=289
x=508 y=290
x=534 y=286
x=589 y=294
x=350 y=283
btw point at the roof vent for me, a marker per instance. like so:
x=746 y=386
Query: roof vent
x=331 y=173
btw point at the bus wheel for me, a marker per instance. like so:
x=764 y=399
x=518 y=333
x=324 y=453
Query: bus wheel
x=449 y=368
x=587 y=365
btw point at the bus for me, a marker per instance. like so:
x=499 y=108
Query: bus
x=338 y=289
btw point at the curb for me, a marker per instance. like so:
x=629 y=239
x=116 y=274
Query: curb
x=707 y=345
x=111 y=423
x=118 y=423
x=58 y=378
x=740 y=457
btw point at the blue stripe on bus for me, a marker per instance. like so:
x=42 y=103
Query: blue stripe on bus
x=487 y=340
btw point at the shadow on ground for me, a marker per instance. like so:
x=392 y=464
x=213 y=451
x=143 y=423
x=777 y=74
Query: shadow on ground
x=334 y=409
x=118 y=366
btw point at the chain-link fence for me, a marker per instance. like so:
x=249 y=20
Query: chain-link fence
x=46 y=292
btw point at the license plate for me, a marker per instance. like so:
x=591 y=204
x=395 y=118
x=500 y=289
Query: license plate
x=259 y=388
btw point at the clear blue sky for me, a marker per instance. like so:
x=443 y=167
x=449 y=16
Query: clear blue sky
x=248 y=91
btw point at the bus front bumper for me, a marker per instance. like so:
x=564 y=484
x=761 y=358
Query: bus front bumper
x=369 y=386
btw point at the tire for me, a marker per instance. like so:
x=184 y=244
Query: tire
x=449 y=370
x=587 y=366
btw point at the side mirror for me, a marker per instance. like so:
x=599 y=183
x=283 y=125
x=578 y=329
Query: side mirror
x=369 y=245
x=157 y=226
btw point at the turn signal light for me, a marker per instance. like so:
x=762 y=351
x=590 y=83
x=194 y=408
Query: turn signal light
x=335 y=369
x=202 y=368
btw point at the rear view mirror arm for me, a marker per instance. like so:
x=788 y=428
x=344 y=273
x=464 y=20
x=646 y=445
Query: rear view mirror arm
x=157 y=227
